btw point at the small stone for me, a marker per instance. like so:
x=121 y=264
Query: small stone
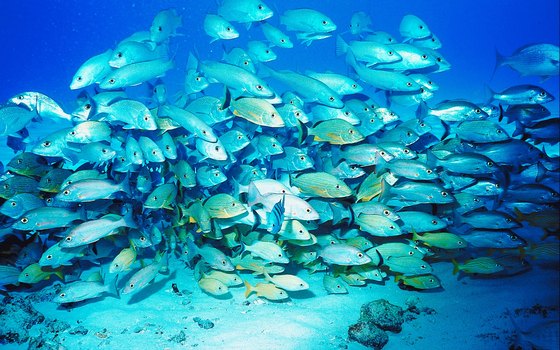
x=205 y=324
x=383 y=314
x=178 y=338
x=80 y=330
x=368 y=335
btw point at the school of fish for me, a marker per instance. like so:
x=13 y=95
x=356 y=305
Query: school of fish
x=316 y=176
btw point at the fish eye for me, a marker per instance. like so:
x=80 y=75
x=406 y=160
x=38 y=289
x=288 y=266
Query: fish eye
x=302 y=158
x=422 y=267
x=422 y=90
x=197 y=79
x=324 y=23
x=228 y=29
x=346 y=113
x=246 y=63
x=217 y=148
x=131 y=285
x=13 y=204
x=223 y=262
x=267 y=51
x=282 y=40
x=490 y=164
x=337 y=186
x=24 y=220
x=444 y=194
x=47 y=143
x=439 y=59
x=331 y=99
x=62 y=295
x=360 y=255
x=79 y=78
x=49 y=200
x=260 y=7
x=429 y=171
x=216 y=174
x=112 y=81
x=160 y=29
x=66 y=192
x=409 y=84
x=421 y=27
x=308 y=210
x=49 y=257
x=351 y=131
x=424 y=57
x=390 y=53
x=477 y=111
x=498 y=131
x=406 y=150
x=104 y=150
x=354 y=86
x=68 y=239
x=142 y=238
x=477 y=199
x=298 y=114
x=460 y=242
x=386 y=212
x=87 y=106
x=508 y=220
x=542 y=93
x=390 y=40
x=154 y=152
x=392 y=227
x=434 y=222
x=119 y=55
x=259 y=87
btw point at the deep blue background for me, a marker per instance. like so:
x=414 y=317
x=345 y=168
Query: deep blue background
x=42 y=43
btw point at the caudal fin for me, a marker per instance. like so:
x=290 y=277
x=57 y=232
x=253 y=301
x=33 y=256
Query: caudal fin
x=341 y=46
x=248 y=289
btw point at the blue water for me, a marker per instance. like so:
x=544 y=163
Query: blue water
x=44 y=42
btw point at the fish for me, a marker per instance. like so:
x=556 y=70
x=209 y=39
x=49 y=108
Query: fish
x=92 y=231
x=535 y=59
x=88 y=190
x=135 y=74
x=260 y=51
x=35 y=273
x=321 y=184
x=275 y=36
x=521 y=94
x=419 y=282
x=370 y=52
x=244 y=11
x=84 y=290
x=129 y=52
x=14 y=119
x=443 y=240
x=407 y=265
x=343 y=254
x=218 y=28
x=412 y=27
x=45 y=106
x=165 y=25
x=141 y=278
x=310 y=24
x=46 y=218
x=236 y=78
x=92 y=71
x=257 y=111
x=333 y=286
x=382 y=79
x=276 y=217
x=359 y=23
x=265 y=290
x=308 y=88
x=335 y=132
x=123 y=260
x=267 y=251
x=481 y=265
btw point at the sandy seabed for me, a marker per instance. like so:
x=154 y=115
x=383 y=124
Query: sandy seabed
x=467 y=313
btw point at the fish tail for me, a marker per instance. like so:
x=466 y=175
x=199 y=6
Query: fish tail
x=423 y=110
x=519 y=129
x=500 y=60
x=128 y=220
x=455 y=266
x=248 y=289
x=415 y=236
x=351 y=60
x=59 y=274
x=488 y=94
x=303 y=132
x=341 y=46
x=385 y=191
x=541 y=172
